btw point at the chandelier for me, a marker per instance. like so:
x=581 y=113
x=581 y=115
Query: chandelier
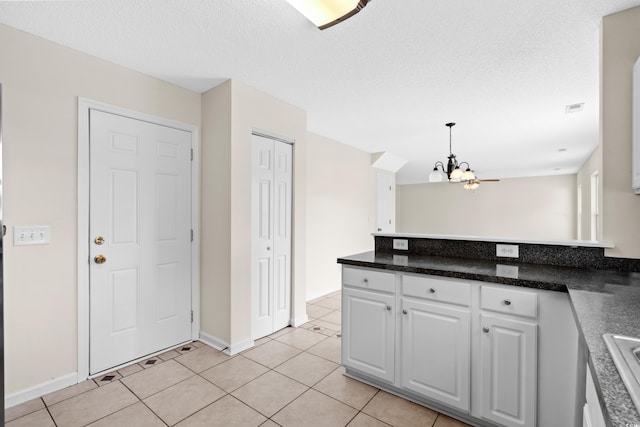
x=454 y=171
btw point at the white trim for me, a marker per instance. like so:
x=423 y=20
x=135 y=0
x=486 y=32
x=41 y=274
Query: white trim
x=236 y=348
x=214 y=342
x=84 y=105
x=40 y=390
x=299 y=321
x=271 y=135
x=224 y=346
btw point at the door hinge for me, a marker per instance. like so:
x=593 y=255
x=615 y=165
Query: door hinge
x=192 y=154
x=191 y=316
x=192 y=234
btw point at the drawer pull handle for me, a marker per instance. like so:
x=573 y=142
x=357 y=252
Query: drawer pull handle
x=388 y=308
x=432 y=291
x=404 y=311
x=485 y=329
x=507 y=302
x=366 y=280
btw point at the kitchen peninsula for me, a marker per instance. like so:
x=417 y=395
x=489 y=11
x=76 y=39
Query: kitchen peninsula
x=478 y=294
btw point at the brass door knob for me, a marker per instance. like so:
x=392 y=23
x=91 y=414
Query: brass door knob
x=98 y=240
x=100 y=259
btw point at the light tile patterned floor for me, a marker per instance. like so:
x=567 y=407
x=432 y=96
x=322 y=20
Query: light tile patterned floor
x=291 y=378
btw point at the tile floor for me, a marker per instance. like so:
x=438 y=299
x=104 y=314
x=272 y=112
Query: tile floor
x=291 y=378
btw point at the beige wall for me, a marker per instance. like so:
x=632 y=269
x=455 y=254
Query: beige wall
x=226 y=285
x=528 y=208
x=341 y=209
x=41 y=82
x=621 y=208
x=215 y=246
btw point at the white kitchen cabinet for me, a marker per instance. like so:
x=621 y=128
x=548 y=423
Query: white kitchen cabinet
x=508 y=371
x=521 y=372
x=592 y=412
x=368 y=327
x=436 y=351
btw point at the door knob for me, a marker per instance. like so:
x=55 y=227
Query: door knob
x=98 y=240
x=100 y=259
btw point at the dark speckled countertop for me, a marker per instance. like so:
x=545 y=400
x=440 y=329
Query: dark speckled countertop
x=603 y=301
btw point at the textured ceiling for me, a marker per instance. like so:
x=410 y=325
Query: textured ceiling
x=387 y=79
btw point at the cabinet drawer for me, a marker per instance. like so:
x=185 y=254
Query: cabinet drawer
x=437 y=289
x=510 y=301
x=369 y=279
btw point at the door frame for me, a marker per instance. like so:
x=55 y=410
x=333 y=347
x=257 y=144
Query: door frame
x=84 y=105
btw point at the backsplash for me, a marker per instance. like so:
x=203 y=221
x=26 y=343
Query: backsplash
x=558 y=255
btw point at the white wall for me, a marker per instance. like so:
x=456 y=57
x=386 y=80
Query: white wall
x=528 y=208
x=341 y=209
x=41 y=82
x=621 y=208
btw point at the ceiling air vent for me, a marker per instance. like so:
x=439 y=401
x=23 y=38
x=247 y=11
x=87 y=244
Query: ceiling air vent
x=574 y=108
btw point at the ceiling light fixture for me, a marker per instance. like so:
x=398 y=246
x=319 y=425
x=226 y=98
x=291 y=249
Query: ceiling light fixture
x=327 y=13
x=454 y=170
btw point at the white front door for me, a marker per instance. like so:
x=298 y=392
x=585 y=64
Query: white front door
x=271 y=235
x=140 y=239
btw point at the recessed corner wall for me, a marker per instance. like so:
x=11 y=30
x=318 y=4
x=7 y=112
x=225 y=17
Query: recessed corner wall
x=341 y=194
x=244 y=109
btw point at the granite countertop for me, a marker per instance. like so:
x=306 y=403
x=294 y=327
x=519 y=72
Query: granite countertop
x=603 y=302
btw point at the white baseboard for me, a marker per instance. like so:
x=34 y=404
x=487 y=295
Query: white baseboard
x=300 y=320
x=236 y=348
x=214 y=342
x=316 y=295
x=40 y=390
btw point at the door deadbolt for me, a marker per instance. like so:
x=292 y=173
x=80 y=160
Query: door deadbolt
x=100 y=259
x=98 y=240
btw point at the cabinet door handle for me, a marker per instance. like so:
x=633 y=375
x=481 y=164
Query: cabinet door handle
x=507 y=302
x=432 y=291
x=485 y=329
x=388 y=308
x=404 y=312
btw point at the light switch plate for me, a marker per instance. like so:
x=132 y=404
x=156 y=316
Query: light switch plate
x=24 y=235
x=509 y=251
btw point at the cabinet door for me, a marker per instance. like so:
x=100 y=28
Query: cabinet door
x=436 y=351
x=509 y=371
x=368 y=332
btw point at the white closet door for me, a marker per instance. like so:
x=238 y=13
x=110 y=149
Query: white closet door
x=271 y=235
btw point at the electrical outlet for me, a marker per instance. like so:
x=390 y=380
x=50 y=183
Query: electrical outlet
x=31 y=235
x=510 y=271
x=402 y=244
x=509 y=251
x=401 y=260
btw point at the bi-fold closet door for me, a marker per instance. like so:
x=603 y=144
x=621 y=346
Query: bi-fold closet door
x=271 y=235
